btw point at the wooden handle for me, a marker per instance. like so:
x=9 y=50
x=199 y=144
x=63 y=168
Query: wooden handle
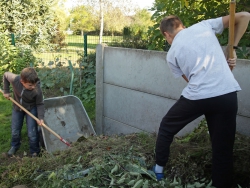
x=231 y=29
x=35 y=118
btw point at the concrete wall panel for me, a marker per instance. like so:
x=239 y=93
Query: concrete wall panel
x=243 y=125
x=242 y=75
x=135 y=89
x=141 y=70
x=137 y=109
x=112 y=127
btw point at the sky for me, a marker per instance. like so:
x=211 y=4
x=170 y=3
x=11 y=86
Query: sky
x=144 y=3
x=141 y=3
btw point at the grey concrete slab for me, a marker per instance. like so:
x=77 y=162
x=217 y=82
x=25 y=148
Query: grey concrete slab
x=137 y=109
x=243 y=125
x=112 y=127
x=142 y=70
x=99 y=88
x=135 y=89
x=242 y=75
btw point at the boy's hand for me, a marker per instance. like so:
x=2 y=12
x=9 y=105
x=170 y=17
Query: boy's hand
x=40 y=122
x=7 y=96
x=232 y=62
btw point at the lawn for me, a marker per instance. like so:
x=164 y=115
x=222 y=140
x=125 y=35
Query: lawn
x=74 y=46
x=77 y=41
x=5 y=128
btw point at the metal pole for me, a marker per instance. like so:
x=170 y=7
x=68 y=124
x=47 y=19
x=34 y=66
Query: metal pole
x=12 y=39
x=72 y=77
x=85 y=45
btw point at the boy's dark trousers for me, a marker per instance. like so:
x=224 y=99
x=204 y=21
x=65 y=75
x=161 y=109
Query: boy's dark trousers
x=220 y=113
x=32 y=129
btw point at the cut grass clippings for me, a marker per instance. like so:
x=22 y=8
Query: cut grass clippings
x=124 y=161
x=116 y=161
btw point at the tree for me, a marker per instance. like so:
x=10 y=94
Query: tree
x=114 y=19
x=32 y=21
x=141 y=22
x=190 y=12
x=102 y=5
x=61 y=15
x=82 y=19
x=101 y=21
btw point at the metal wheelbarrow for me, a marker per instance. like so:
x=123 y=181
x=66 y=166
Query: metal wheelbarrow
x=67 y=116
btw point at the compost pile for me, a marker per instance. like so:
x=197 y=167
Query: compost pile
x=125 y=161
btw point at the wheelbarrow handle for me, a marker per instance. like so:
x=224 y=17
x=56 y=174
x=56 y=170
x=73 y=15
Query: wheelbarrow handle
x=35 y=118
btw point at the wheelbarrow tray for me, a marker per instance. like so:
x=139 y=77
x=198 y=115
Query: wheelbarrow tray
x=67 y=117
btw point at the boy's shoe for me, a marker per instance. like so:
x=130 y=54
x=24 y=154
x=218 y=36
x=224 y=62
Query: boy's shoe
x=159 y=176
x=12 y=151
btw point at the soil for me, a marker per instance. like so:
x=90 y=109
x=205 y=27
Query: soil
x=20 y=186
x=10 y=159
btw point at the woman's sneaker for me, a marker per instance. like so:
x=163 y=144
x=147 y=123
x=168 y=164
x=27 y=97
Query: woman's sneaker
x=159 y=176
x=12 y=151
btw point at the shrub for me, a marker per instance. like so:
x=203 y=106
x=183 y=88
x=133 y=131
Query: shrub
x=13 y=58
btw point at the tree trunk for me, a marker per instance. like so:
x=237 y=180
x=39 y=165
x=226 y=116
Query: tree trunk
x=101 y=21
